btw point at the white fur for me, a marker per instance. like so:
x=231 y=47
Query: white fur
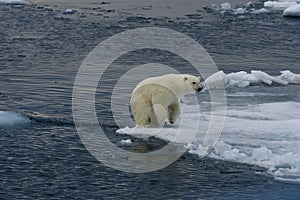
x=155 y=99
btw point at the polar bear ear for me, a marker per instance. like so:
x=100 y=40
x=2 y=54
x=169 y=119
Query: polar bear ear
x=185 y=78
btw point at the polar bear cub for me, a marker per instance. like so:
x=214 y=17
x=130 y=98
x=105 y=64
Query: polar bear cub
x=156 y=99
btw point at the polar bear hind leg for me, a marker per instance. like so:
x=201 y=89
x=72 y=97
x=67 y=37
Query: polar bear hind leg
x=174 y=111
x=159 y=115
x=141 y=110
x=160 y=102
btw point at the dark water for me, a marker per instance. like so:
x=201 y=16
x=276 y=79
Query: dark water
x=41 y=51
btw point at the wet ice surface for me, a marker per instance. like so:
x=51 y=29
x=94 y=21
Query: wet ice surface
x=41 y=51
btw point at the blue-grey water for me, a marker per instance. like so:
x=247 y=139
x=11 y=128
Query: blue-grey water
x=41 y=51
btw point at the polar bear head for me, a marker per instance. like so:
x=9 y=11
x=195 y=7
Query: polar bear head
x=193 y=83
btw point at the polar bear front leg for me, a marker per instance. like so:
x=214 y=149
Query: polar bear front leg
x=174 y=111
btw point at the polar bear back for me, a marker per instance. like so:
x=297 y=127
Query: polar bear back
x=174 y=82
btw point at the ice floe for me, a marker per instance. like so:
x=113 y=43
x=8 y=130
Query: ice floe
x=11 y=119
x=13 y=2
x=292 y=11
x=244 y=79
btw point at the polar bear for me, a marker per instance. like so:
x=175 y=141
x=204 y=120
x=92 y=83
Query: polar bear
x=157 y=98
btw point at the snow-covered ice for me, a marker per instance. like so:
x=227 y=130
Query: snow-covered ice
x=290 y=8
x=13 y=2
x=279 y=5
x=266 y=135
x=244 y=79
x=292 y=11
x=226 y=7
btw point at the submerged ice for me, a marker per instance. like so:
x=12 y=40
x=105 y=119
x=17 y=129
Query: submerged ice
x=11 y=119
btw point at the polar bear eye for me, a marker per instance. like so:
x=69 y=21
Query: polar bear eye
x=194 y=82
